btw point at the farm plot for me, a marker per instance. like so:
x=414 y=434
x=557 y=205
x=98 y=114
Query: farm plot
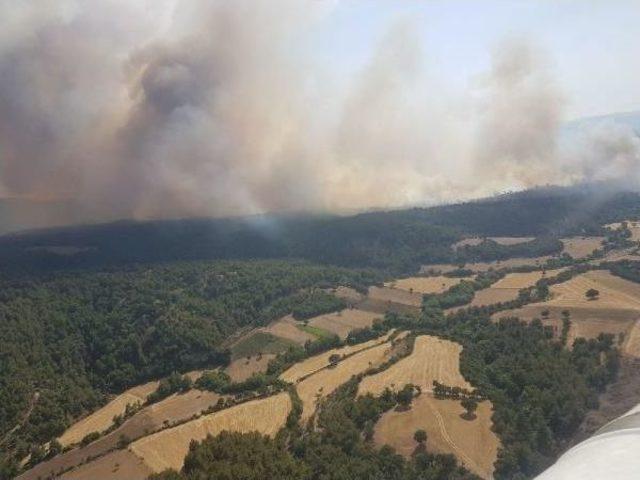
x=171 y=410
x=472 y=442
x=320 y=361
x=119 y=465
x=350 y=295
x=432 y=359
x=259 y=343
x=344 y=321
x=424 y=285
x=615 y=311
x=102 y=419
x=581 y=247
x=324 y=382
x=486 y=266
x=287 y=328
x=242 y=368
x=394 y=295
x=507 y=288
x=167 y=448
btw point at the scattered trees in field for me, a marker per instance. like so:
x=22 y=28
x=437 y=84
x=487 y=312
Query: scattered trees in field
x=592 y=294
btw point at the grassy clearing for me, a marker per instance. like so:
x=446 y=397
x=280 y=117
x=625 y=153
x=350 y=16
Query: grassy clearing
x=315 y=331
x=260 y=343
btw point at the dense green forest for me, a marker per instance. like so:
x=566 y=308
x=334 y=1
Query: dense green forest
x=74 y=337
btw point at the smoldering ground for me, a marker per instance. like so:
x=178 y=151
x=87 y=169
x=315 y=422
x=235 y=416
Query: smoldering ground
x=153 y=109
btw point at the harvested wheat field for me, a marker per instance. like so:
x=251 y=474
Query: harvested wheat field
x=424 y=285
x=172 y=409
x=287 y=328
x=242 y=368
x=320 y=361
x=486 y=266
x=325 y=381
x=467 y=242
x=507 y=288
x=631 y=346
x=102 y=419
x=167 y=448
x=344 y=321
x=118 y=465
x=615 y=293
x=472 y=441
x=524 y=280
x=581 y=247
x=394 y=295
x=432 y=359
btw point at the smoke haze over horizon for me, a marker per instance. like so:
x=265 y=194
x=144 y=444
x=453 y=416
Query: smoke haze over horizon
x=159 y=108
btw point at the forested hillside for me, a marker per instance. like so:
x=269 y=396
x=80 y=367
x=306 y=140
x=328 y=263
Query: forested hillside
x=75 y=337
x=397 y=241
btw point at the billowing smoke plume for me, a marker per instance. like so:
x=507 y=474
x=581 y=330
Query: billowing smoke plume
x=161 y=108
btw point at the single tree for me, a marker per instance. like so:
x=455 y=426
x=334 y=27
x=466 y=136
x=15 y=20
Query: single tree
x=405 y=396
x=470 y=405
x=545 y=313
x=592 y=294
x=420 y=436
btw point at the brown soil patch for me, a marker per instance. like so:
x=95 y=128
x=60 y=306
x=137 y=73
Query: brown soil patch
x=343 y=322
x=581 y=247
x=119 y=465
x=394 y=295
x=325 y=381
x=432 y=359
x=102 y=419
x=424 y=285
x=472 y=442
x=242 y=368
x=167 y=449
x=287 y=327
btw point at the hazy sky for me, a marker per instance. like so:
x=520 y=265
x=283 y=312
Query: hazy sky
x=594 y=46
x=165 y=108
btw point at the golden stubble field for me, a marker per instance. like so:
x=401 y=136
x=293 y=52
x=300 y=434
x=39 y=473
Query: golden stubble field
x=102 y=419
x=432 y=359
x=581 y=247
x=616 y=310
x=478 y=267
x=167 y=448
x=472 y=441
x=327 y=380
x=287 y=328
x=344 y=321
x=424 y=285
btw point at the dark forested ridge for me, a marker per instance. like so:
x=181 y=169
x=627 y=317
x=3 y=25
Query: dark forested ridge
x=397 y=241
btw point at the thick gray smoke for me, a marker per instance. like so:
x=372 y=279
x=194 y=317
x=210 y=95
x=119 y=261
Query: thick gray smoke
x=160 y=108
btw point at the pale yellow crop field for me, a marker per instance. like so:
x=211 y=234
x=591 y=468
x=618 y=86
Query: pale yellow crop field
x=320 y=361
x=287 y=327
x=102 y=419
x=581 y=247
x=325 y=381
x=472 y=441
x=432 y=359
x=167 y=448
x=424 y=285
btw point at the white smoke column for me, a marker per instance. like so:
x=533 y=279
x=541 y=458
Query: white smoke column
x=520 y=120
